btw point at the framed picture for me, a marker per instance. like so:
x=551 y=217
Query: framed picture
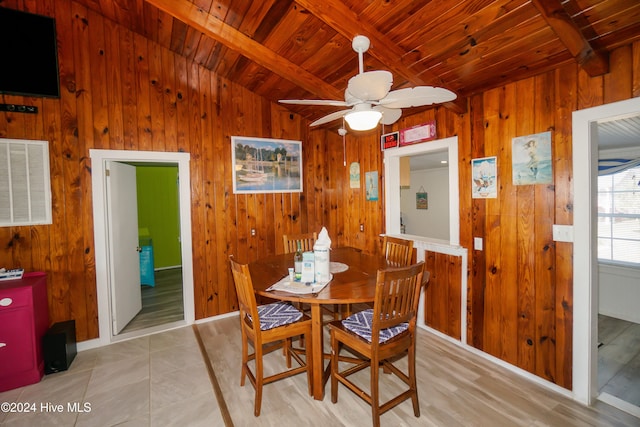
x=531 y=159
x=354 y=175
x=483 y=178
x=418 y=133
x=422 y=200
x=262 y=165
x=371 y=186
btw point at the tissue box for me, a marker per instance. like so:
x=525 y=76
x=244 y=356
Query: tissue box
x=308 y=267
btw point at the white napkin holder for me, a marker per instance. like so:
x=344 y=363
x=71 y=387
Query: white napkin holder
x=321 y=250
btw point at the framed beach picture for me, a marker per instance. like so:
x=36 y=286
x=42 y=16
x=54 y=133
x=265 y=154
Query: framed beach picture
x=371 y=186
x=483 y=178
x=531 y=159
x=262 y=165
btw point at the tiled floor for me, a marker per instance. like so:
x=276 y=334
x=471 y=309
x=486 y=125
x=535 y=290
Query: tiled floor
x=163 y=380
x=619 y=358
x=154 y=380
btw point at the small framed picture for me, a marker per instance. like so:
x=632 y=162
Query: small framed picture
x=371 y=186
x=483 y=178
x=422 y=200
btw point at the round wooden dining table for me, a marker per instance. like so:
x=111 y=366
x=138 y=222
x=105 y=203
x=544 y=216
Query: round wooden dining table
x=354 y=285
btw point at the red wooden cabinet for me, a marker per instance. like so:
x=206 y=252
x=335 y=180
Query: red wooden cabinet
x=24 y=319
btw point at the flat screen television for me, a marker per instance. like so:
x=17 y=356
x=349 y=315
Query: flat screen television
x=29 y=54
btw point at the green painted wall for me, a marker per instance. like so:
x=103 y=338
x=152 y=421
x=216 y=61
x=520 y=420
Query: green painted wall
x=158 y=212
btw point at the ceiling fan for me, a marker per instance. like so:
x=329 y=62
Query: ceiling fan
x=369 y=97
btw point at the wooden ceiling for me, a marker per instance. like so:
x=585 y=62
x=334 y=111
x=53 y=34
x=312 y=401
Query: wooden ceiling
x=283 y=49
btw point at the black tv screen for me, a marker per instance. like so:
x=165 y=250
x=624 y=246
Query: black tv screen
x=29 y=54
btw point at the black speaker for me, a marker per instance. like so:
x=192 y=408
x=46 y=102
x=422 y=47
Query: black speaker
x=59 y=346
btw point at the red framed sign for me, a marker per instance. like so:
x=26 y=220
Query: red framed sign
x=389 y=140
x=418 y=133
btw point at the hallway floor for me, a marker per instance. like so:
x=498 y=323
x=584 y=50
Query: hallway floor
x=619 y=359
x=162 y=303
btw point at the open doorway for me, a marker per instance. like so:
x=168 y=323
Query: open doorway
x=585 y=267
x=158 y=200
x=102 y=222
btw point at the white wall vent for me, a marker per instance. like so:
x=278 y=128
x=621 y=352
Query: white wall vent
x=25 y=188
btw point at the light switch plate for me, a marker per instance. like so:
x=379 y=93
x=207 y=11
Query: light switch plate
x=477 y=243
x=562 y=233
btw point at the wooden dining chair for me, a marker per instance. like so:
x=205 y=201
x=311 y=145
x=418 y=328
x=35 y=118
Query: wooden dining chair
x=306 y=240
x=379 y=337
x=398 y=252
x=268 y=327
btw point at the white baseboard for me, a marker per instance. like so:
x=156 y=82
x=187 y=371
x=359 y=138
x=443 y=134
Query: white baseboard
x=519 y=371
x=623 y=405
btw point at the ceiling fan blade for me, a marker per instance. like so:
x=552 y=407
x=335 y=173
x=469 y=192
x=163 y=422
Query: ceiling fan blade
x=325 y=102
x=330 y=117
x=370 y=86
x=417 y=96
x=389 y=115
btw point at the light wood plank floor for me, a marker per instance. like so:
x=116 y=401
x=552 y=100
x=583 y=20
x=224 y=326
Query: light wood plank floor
x=619 y=359
x=161 y=303
x=456 y=388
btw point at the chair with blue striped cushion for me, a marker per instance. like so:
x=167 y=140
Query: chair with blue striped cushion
x=379 y=337
x=268 y=327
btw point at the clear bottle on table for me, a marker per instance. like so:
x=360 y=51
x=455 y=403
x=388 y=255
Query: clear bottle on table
x=297 y=263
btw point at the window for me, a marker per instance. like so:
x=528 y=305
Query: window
x=25 y=191
x=619 y=217
x=392 y=181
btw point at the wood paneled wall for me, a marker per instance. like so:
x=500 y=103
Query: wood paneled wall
x=520 y=287
x=443 y=294
x=120 y=91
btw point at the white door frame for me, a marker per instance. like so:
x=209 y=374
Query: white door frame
x=585 y=266
x=98 y=163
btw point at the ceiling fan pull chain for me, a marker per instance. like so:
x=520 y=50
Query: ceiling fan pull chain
x=343 y=132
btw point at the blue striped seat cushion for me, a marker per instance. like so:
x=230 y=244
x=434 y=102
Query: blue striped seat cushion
x=360 y=323
x=277 y=314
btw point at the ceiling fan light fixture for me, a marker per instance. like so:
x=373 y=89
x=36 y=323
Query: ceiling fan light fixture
x=363 y=120
x=370 y=95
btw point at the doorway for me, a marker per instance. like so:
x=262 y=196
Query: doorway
x=585 y=262
x=104 y=266
x=159 y=246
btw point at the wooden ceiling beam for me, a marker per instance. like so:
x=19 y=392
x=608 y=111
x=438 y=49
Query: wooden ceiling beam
x=195 y=17
x=342 y=19
x=595 y=63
